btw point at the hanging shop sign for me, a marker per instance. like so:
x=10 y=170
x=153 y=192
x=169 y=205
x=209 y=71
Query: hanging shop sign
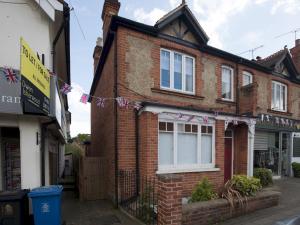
x=35 y=82
x=10 y=94
x=279 y=122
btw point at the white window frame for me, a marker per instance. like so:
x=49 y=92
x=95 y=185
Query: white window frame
x=172 y=88
x=246 y=73
x=232 y=83
x=198 y=167
x=278 y=84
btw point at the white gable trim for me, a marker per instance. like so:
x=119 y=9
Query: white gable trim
x=49 y=7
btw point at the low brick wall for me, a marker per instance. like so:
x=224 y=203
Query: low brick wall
x=210 y=212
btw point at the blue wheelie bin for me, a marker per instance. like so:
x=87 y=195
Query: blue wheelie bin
x=46 y=205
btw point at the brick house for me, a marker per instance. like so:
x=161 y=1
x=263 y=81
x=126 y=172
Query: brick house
x=200 y=103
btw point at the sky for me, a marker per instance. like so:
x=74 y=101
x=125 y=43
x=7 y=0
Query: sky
x=235 y=26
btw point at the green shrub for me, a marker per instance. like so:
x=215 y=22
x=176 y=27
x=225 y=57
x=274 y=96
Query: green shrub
x=246 y=186
x=296 y=169
x=264 y=175
x=203 y=192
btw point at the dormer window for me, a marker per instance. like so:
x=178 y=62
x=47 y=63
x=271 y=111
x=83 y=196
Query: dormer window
x=177 y=71
x=227 y=83
x=279 y=96
x=247 y=78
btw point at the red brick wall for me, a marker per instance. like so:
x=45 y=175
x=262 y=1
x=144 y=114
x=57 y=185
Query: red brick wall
x=102 y=124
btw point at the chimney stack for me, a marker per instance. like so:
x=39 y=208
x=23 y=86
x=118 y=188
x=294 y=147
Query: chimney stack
x=110 y=8
x=97 y=52
x=296 y=54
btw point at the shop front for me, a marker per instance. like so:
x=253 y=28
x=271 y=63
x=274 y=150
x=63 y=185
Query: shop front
x=274 y=144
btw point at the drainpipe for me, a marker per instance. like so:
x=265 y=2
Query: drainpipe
x=43 y=148
x=137 y=160
x=116 y=122
x=237 y=89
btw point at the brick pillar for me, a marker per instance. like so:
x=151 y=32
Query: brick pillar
x=170 y=199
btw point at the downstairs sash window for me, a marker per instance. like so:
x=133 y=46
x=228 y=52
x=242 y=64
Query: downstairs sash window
x=185 y=145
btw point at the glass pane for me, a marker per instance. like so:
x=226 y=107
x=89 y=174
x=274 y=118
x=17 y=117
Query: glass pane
x=206 y=149
x=165 y=68
x=187 y=149
x=165 y=148
x=188 y=128
x=189 y=83
x=181 y=127
x=203 y=129
x=209 y=130
x=162 y=126
x=277 y=103
x=178 y=71
x=246 y=79
x=273 y=96
x=195 y=128
x=283 y=97
x=170 y=127
x=226 y=83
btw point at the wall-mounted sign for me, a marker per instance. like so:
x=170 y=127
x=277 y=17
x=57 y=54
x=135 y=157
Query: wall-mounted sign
x=35 y=82
x=10 y=91
x=276 y=121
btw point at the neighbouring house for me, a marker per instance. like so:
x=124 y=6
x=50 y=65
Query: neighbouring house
x=201 y=106
x=34 y=117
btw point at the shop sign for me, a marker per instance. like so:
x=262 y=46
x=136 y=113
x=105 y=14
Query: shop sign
x=35 y=82
x=10 y=91
x=278 y=121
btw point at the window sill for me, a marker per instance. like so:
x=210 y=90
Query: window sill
x=186 y=170
x=280 y=112
x=228 y=102
x=175 y=93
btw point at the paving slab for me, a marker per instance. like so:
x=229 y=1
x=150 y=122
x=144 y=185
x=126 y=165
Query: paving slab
x=102 y=212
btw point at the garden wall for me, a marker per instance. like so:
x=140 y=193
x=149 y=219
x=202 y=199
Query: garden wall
x=210 y=212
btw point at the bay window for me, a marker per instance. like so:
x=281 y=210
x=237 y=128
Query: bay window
x=185 y=145
x=227 y=83
x=279 y=96
x=177 y=71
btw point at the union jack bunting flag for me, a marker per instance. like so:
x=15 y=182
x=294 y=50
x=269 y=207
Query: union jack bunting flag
x=122 y=102
x=180 y=116
x=84 y=98
x=100 y=102
x=137 y=105
x=190 y=118
x=10 y=74
x=205 y=119
x=65 y=89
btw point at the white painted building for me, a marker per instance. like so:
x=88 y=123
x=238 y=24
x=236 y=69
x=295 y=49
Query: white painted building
x=32 y=145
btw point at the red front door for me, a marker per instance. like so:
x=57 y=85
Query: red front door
x=228 y=159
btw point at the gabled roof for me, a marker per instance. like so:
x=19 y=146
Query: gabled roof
x=183 y=11
x=282 y=56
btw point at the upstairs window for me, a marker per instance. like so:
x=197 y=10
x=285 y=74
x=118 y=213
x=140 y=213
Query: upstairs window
x=227 y=83
x=247 y=78
x=177 y=71
x=279 y=96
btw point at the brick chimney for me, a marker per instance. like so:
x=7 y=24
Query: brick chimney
x=97 y=52
x=110 y=8
x=296 y=54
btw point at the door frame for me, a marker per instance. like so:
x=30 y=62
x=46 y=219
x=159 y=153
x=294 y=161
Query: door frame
x=232 y=149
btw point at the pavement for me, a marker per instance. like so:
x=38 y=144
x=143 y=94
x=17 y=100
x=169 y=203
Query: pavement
x=100 y=212
x=287 y=210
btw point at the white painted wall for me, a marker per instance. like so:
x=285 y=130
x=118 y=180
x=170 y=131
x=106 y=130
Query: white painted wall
x=30 y=153
x=30 y=22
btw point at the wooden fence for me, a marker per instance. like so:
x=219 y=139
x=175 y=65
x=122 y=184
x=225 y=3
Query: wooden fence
x=91 y=178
